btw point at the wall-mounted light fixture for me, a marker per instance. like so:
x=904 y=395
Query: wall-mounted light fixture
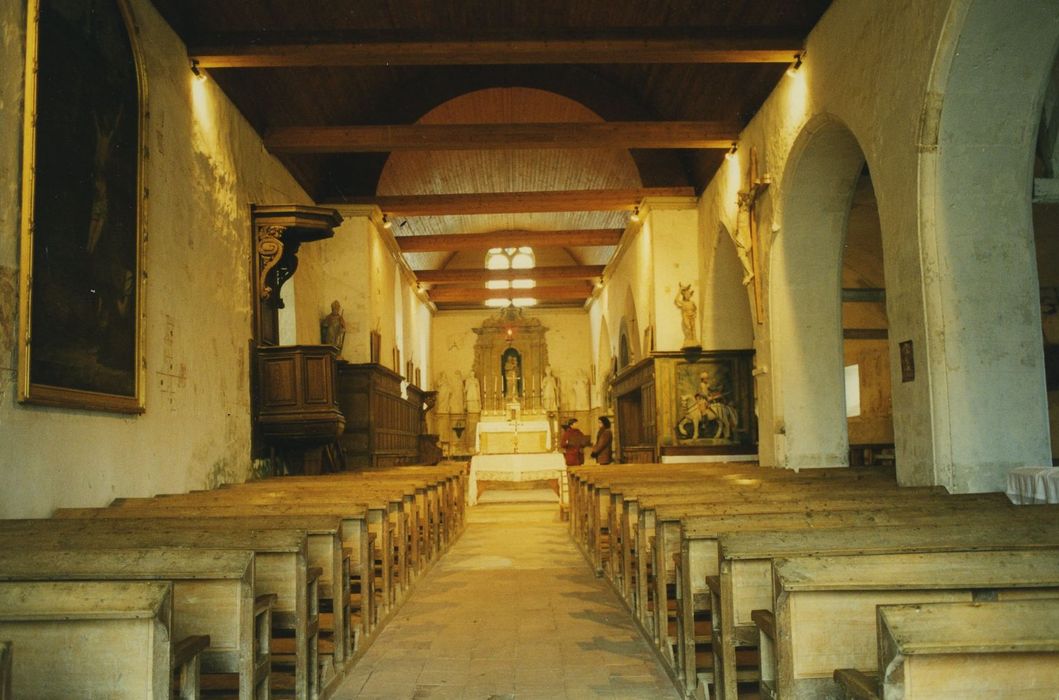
x=635 y=216
x=792 y=70
x=196 y=70
x=731 y=152
x=386 y=223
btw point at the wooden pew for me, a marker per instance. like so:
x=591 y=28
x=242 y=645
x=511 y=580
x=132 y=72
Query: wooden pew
x=281 y=568
x=213 y=594
x=699 y=535
x=353 y=529
x=5 y=671
x=825 y=607
x=384 y=518
x=658 y=533
x=89 y=639
x=744 y=581
x=789 y=495
x=1001 y=650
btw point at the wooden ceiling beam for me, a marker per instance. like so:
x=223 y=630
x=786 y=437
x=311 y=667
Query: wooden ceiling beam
x=509 y=239
x=516 y=202
x=463 y=53
x=459 y=137
x=456 y=295
x=475 y=276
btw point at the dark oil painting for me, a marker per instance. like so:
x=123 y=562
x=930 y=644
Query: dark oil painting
x=85 y=253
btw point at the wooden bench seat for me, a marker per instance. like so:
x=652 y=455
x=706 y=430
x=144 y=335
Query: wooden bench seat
x=744 y=582
x=384 y=516
x=699 y=535
x=281 y=568
x=94 y=640
x=212 y=594
x=825 y=607
x=996 y=650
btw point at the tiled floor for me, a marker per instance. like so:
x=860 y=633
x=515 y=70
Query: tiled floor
x=511 y=611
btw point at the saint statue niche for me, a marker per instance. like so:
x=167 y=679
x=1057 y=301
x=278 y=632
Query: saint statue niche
x=511 y=362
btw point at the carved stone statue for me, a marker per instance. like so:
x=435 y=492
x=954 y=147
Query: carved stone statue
x=688 y=314
x=457 y=393
x=441 y=385
x=511 y=379
x=472 y=392
x=333 y=327
x=549 y=391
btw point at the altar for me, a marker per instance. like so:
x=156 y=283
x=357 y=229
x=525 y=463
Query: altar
x=503 y=436
x=541 y=466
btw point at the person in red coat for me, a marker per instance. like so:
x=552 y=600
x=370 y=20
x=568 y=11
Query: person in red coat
x=601 y=451
x=573 y=443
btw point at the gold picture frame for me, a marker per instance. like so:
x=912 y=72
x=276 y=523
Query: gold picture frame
x=81 y=282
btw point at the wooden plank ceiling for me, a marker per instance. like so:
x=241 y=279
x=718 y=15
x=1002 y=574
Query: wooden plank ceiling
x=478 y=124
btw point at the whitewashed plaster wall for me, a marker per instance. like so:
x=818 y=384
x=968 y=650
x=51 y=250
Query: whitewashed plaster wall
x=674 y=226
x=336 y=269
x=360 y=268
x=206 y=167
x=868 y=68
x=630 y=274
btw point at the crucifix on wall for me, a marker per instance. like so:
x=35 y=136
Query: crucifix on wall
x=747 y=243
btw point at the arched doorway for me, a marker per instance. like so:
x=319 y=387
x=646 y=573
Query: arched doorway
x=805 y=285
x=865 y=332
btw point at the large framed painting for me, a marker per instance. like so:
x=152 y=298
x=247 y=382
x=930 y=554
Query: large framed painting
x=81 y=279
x=715 y=402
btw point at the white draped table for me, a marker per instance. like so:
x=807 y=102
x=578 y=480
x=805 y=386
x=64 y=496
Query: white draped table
x=532 y=466
x=1029 y=485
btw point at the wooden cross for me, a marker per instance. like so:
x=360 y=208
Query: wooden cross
x=755 y=187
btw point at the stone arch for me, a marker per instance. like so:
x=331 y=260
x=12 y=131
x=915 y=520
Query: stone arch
x=629 y=345
x=604 y=357
x=983 y=352
x=805 y=296
x=726 y=319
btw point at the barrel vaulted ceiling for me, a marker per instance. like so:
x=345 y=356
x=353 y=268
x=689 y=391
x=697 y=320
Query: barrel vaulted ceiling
x=539 y=121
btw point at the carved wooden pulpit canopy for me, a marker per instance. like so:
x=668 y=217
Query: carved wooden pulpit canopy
x=279 y=230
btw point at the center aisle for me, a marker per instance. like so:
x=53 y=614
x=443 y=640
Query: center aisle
x=511 y=611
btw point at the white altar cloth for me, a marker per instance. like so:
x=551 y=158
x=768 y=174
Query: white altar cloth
x=532 y=466
x=529 y=427
x=1029 y=485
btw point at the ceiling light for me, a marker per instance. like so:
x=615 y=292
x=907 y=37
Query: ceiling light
x=497 y=284
x=522 y=261
x=523 y=301
x=498 y=303
x=497 y=261
x=523 y=284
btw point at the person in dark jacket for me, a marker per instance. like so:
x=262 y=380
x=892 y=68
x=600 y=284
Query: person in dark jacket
x=601 y=451
x=573 y=443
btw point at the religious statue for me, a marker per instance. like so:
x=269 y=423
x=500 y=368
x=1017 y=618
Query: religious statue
x=549 y=392
x=457 y=394
x=472 y=393
x=581 y=390
x=511 y=378
x=333 y=327
x=742 y=238
x=688 y=314
x=441 y=385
